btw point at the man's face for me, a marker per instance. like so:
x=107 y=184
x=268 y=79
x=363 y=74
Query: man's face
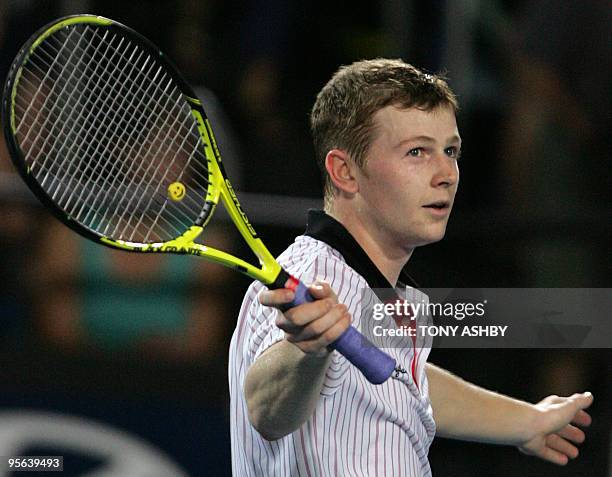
x=408 y=185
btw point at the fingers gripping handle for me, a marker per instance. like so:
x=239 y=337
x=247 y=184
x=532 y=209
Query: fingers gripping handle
x=376 y=365
x=302 y=295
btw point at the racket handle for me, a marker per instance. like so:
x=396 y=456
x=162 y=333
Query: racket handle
x=376 y=365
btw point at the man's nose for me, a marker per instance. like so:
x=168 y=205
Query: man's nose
x=447 y=171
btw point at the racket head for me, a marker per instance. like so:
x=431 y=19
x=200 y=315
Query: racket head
x=109 y=136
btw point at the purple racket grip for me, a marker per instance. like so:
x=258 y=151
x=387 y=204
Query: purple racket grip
x=376 y=365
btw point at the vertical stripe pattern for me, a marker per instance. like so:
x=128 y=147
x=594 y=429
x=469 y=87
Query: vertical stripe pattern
x=357 y=429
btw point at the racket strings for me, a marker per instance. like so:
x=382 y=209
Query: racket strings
x=71 y=213
x=130 y=58
x=131 y=172
x=121 y=55
x=105 y=131
x=152 y=178
x=43 y=82
x=47 y=135
x=85 y=106
x=62 y=200
x=191 y=168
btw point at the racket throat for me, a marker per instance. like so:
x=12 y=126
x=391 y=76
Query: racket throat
x=284 y=280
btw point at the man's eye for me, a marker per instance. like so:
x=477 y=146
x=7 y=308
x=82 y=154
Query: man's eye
x=416 y=152
x=452 y=152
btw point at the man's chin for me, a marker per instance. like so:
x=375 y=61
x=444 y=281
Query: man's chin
x=427 y=239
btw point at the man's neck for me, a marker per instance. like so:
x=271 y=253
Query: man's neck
x=389 y=259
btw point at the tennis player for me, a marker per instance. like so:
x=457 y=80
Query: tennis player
x=386 y=136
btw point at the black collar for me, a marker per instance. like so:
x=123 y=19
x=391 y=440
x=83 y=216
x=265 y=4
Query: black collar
x=327 y=229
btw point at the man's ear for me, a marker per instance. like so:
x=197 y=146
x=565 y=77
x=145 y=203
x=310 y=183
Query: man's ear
x=340 y=168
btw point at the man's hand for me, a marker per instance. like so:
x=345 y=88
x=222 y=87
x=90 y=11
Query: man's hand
x=555 y=431
x=310 y=326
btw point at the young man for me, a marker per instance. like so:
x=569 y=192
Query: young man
x=386 y=135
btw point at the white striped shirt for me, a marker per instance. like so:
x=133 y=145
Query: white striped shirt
x=357 y=429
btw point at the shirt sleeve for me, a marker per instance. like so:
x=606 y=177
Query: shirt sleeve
x=265 y=333
x=347 y=285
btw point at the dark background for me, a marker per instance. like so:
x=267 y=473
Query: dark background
x=533 y=210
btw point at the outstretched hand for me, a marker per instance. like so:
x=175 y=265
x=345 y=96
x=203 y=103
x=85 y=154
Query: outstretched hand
x=555 y=430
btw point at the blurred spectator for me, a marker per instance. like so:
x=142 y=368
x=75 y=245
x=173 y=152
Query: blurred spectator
x=273 y=140
x=19 y=226
x=90 y=297
x=559 y=119
x=556 y=152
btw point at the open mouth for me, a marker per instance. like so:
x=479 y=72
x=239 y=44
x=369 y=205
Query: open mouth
x=440 y=205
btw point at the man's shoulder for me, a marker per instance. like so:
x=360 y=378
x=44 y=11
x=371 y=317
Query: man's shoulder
x=308 y=256
x=310 y=259
x=304 y=246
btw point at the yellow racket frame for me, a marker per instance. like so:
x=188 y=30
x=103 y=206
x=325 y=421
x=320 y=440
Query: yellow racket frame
x=376 y=366
x=219 y=186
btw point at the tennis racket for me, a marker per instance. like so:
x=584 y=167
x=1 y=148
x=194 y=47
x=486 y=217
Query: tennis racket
x=109 y=136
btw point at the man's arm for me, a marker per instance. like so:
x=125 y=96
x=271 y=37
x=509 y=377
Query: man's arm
x=282 y=386
x=547 y=429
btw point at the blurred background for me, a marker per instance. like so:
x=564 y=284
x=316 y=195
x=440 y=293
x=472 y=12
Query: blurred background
x=95 y=341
